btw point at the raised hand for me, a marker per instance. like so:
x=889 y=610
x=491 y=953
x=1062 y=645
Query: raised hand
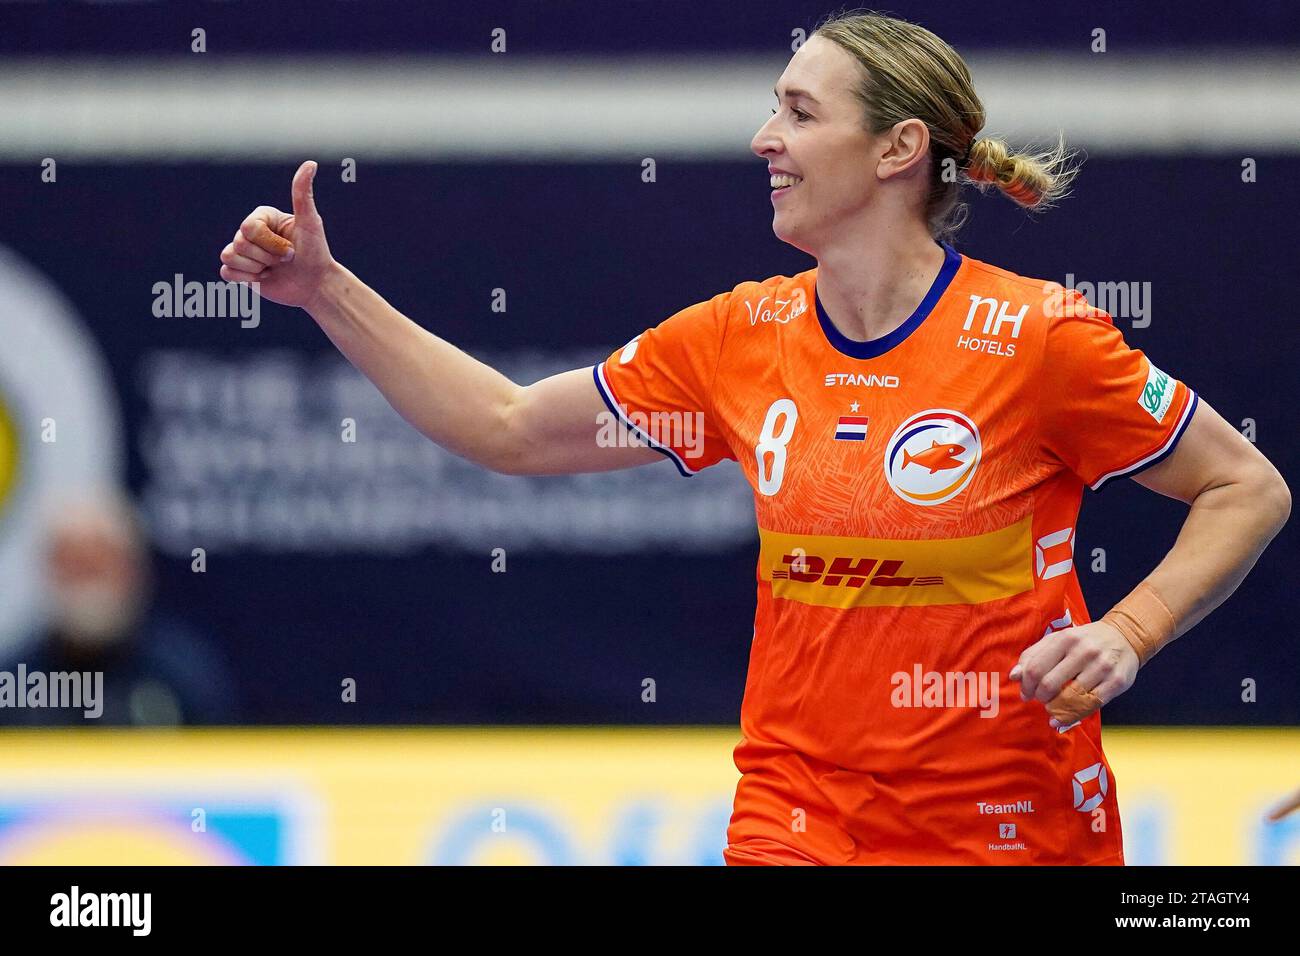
x=287 y=255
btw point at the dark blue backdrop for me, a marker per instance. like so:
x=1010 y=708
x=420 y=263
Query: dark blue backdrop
x=591 y=256
x=626 y=26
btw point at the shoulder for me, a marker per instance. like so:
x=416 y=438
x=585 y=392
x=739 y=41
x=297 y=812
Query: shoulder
x=1046 y=299
x=777 y=298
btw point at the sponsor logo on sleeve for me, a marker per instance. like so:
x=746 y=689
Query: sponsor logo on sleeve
x=1158 y=393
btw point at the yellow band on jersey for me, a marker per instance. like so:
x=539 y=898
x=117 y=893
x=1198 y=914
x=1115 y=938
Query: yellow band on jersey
x=9 y=457
x=835 y=571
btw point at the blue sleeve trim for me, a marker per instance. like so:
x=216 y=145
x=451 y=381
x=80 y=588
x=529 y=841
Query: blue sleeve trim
x=1163 y=452
x=607 y=393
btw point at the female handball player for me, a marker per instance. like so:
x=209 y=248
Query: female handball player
x=924 y=682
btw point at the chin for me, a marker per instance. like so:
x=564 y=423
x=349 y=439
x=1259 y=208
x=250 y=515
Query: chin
x=789 y=236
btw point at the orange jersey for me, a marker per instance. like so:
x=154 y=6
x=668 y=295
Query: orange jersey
x=916 y=498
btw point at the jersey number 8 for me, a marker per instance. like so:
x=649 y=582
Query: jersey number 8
x=771 y=443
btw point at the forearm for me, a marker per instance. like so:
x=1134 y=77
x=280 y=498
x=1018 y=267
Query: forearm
x=1225 y=532
x=448 y=395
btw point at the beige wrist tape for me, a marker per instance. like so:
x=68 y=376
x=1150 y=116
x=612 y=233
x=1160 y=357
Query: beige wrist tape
x=1146 y=623
x=1144 y=620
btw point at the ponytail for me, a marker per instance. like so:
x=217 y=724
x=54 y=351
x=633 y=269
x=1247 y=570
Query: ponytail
x=1034 y=179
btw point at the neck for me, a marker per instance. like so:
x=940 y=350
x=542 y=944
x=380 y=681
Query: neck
x=870 y=283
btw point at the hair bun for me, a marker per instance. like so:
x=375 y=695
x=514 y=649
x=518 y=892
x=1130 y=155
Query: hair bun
x=1030 y=179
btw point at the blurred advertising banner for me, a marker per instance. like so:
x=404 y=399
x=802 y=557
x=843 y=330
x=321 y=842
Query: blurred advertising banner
x=532 y=796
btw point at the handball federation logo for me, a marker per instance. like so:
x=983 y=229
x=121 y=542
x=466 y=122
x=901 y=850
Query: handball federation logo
x=932 y=456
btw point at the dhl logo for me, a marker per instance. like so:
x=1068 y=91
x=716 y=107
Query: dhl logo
x=846 y=571
x=842 y=571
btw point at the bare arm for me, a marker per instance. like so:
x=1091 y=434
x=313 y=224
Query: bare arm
x=1238 y=501
x=472 y=410
x=465 y=406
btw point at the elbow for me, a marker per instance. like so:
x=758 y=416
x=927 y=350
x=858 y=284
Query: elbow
x=1281 y=496
x=1271 y=495
x=1257 y=491
x=510 y=451
x=509 y=459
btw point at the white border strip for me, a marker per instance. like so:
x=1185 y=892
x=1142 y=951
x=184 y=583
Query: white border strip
x=625 y=109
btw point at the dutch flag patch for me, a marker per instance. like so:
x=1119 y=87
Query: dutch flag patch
x=851 y=428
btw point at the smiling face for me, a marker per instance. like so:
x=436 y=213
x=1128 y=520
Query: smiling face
x=817 y=133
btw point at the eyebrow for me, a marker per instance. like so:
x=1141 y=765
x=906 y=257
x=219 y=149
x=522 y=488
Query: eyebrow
x=795 y=93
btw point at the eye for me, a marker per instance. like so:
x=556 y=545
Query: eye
x=800 y=115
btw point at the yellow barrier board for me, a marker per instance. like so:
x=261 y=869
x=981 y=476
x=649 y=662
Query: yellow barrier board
x=518 y=796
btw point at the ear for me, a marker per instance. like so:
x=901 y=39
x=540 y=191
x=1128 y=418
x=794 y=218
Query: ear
x=907 y=143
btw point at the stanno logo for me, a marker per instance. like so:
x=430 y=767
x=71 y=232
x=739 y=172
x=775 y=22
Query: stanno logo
x=1085 y=801
x=861 y=378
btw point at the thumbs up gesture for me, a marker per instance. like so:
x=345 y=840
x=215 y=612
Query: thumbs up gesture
x=287 y=255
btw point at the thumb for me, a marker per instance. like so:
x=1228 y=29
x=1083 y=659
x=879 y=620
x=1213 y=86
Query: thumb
x=304 y=203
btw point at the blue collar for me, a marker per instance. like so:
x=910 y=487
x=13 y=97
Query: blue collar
x=874 y=347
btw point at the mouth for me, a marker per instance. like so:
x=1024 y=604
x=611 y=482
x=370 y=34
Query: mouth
x=782 y=183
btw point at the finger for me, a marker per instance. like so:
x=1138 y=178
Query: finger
x=1111 y=687
x=1073 y=704
x=251 y=250
x=256 y=231
x=236 y=275
x=281 y=222
x=241 y=263
x=1035 y=663
x=1071 y=710
x=1095 y=673
x=304 y=200
x=1286 y=806
x=1070 y=667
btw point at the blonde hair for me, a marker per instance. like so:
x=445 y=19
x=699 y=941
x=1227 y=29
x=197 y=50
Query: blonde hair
x=911 y=73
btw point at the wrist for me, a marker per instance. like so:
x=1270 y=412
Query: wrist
x=329 y=290
x=1144 y=620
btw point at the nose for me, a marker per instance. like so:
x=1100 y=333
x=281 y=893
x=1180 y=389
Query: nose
x=765 y=140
